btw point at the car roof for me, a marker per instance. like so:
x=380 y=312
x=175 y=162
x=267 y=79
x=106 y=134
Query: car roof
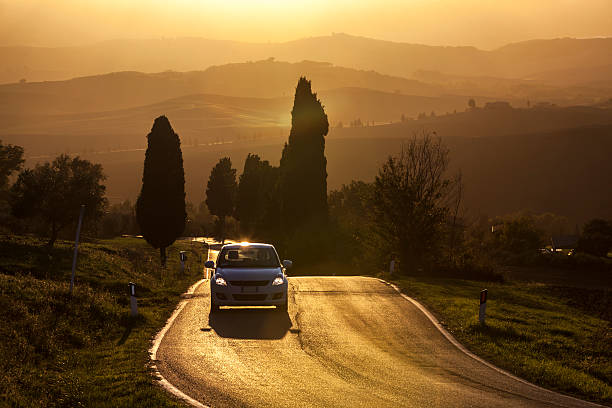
x=250 y=244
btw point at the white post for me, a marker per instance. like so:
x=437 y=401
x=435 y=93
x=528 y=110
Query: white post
x=133 y=302
x=76 y=246
x=392 y=267
x=483 y=306
x=183 y=256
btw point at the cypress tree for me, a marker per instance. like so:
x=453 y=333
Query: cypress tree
x=255 y=190
x=221 y=192
x=160 y=209
x=303 y=166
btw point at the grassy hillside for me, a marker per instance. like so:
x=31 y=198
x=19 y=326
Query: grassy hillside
x=555 y=335
x=84 y=350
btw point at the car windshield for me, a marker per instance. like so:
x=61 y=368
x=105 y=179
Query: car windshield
x=248 y=257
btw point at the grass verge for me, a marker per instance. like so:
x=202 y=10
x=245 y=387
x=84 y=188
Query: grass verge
x=558 y=337
x=85 y=349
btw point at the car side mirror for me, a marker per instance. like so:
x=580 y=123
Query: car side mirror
x=287 y=264
x=210 y=264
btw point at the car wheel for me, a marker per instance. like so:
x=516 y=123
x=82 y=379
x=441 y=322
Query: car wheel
x=214 y=308
x=284 y=306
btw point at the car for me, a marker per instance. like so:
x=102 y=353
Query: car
x=248 y=274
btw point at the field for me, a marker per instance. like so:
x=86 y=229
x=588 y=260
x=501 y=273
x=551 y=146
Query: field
x=85 y=349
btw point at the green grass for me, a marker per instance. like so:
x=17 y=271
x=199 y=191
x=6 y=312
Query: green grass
x=558 y=337
x=85 y=349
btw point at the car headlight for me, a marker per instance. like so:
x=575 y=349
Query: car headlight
x=278 y=280
x=220 y=281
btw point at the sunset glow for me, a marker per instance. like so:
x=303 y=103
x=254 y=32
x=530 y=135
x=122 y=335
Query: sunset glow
x=479 y=23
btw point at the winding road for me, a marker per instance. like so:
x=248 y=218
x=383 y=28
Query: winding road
x=344 y=342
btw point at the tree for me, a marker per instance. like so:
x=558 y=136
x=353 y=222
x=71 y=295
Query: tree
x=472 y=103
x=221 y=192
x=160 y=208
x=411 y=192
x=54 y=193
x=303 y=166
x=11 y=160
x=119 y=219
x=350 y=214
x=255 y=189
x=596 y=238
x=519 y=236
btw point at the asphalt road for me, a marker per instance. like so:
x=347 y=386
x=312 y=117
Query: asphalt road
x=345 y=342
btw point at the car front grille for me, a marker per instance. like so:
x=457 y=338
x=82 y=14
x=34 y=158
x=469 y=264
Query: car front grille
x=242 y=296
x=249 y=282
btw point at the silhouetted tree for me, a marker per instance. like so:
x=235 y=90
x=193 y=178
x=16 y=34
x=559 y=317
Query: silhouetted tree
x=160 y=209
x=54 y=192
x=11 y=159
x=596 y=238
x=518 y=236
x=255 y=189
x=411 y=201
x=118 y=220
x=303 y=166
x=221 y=192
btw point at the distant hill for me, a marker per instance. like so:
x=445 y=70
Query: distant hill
x=497 y=119
x=263 y=79
x=519 y=60
x=208 y=118
x=270 y=79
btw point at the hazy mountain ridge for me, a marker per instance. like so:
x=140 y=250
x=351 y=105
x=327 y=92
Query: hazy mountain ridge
x=270 y=79
x=262 y=79
x=517 y=60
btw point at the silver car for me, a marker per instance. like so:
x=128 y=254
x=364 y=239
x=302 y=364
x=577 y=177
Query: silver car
x=248 y=275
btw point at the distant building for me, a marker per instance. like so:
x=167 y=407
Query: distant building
x=563 y=242
x=498 y=105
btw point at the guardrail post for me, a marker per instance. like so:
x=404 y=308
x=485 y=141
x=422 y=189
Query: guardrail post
x=483 y=306
x=183 y=255
x=133 y=302
x=76 y=247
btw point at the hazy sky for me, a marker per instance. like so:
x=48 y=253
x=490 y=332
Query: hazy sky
x=482 y=23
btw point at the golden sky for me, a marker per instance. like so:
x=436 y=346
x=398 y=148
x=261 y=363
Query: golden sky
x=481 y=23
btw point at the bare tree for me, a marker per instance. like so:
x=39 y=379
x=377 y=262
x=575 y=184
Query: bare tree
x=412 y=198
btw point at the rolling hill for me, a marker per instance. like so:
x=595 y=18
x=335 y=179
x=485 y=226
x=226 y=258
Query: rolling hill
x=209 y=118
x=518 y=60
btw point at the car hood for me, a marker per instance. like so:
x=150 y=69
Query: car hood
x=249 y=273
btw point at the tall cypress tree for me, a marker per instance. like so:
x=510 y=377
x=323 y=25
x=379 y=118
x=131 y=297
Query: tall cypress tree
x=303 y=166
x=160 y=208
x=221 y=192
x=255 y=189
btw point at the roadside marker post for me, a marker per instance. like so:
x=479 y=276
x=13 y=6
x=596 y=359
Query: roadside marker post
x=133 y=302
x=483 y=306
x=392 y=267
x=76 y=246
x=183 y=255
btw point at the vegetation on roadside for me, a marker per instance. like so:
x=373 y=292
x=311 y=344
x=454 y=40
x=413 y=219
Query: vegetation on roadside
x=85 y=350
x=556 y=336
